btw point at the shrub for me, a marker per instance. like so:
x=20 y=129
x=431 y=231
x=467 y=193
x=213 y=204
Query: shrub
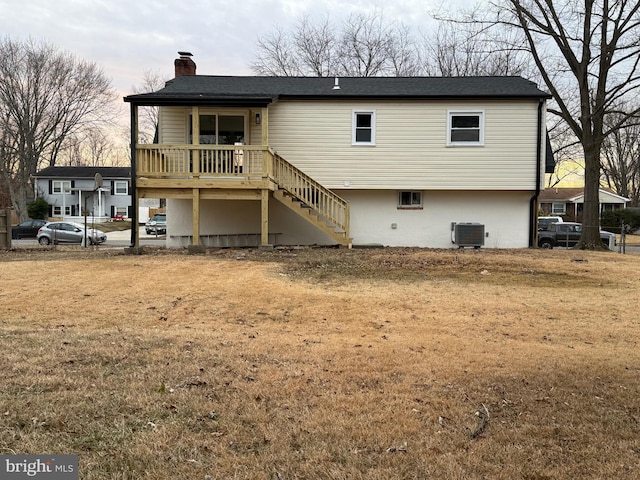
x=38 y=209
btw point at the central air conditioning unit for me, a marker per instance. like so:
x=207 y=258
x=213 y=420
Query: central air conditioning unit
x=468 y=234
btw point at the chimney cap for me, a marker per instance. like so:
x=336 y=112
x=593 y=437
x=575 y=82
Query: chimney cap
x=185 y=54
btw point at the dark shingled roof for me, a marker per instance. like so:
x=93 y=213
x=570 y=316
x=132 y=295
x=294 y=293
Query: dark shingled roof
x=226 y=90
x=85 y=172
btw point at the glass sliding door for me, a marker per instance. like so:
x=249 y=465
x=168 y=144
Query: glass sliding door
x=220 y=129
x=231 y=132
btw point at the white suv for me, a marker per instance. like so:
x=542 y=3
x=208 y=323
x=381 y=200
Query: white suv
x=544 y=222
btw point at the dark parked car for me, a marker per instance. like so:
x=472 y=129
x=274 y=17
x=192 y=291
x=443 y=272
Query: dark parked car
x=567 y=234
x=69 y=232
x=27 y=229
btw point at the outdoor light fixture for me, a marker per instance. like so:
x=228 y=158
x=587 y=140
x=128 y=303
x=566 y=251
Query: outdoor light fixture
x=258 y=118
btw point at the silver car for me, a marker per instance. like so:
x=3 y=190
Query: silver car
x=69 y=232
x=157 y=224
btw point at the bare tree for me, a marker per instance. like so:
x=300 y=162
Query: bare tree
x=588 y=55
x=363 y=46
x=315 y=47
x=90 y=148
x=152 y=81
x=621 y=159
x=276 y=56
x=403 y=58
x=458 y=49
x=566 y=151
x=45 y=96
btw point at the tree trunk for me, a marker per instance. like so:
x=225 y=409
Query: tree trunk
x=590 y=239
x=19 y=201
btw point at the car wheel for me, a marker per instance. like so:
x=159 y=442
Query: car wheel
x=44 y=241
x=548 y=244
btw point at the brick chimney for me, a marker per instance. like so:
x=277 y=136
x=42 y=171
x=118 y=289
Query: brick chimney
x=184 y=65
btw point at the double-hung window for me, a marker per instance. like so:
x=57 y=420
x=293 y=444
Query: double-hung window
x=60 y=211
x=559 y=208
x=465 y=128
x=60 y=186
x=364 y=127
x=120 y=187
x=120 y=211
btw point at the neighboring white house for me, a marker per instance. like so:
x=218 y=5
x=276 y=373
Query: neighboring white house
x=72 y=191
x=389 y=161
x=569 y=202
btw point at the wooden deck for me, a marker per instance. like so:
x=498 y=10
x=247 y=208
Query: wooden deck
x=235 y=172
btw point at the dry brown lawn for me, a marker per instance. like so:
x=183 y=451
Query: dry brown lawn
x=323 y=363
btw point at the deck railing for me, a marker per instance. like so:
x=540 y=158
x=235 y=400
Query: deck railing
x=162 y=160
x=308 y=191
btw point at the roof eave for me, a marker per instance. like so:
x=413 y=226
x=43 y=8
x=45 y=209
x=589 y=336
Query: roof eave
x=191 y=100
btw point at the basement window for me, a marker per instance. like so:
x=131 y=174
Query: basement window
x=409 y=200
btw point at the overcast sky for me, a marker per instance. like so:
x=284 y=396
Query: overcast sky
x=127 y=37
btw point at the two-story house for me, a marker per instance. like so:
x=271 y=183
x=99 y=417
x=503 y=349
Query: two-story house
x=72 y=192
x=300 y=161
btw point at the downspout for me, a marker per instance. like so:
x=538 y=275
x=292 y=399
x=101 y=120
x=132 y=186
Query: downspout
x=533 y=203
x=134 y=210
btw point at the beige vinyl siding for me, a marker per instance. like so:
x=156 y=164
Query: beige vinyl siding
x=173 y=124
x=410 y=149
x=174 y=121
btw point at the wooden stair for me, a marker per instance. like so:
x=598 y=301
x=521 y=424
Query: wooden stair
x=312 y=201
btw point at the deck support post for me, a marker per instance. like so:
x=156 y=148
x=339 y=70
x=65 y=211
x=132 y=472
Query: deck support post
x=196 y=217
x=264 y=217
x=135 y=197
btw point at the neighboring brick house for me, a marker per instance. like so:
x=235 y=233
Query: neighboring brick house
x=71 y=190
x=302 y=161
x=568 y=203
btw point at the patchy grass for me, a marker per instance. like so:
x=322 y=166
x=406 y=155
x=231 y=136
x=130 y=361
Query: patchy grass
x=324 y=363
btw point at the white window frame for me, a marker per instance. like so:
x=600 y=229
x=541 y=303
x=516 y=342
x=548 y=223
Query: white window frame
x=411 y=205
x=121 y=211
x=561 y=211
x=61 y=187
x=119 y=183
x=354 y=129
x=465 y=113
x=57 y=211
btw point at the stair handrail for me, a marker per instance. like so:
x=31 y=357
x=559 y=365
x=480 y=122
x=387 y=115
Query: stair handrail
x=323 y=201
